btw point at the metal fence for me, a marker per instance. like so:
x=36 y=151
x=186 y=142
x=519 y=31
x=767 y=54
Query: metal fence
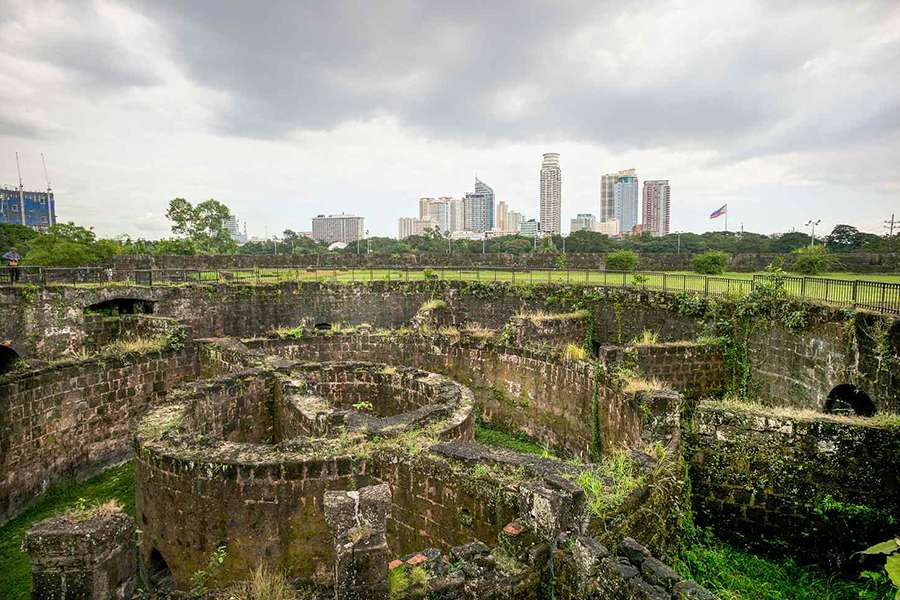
x=873 y=295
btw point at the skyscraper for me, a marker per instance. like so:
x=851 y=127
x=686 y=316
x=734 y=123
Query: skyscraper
x=476 y=212
x=457 y=213
x=502 y=216
x=609 y=210
x=436 y=209
x=551 y=192
x=514 y=221
x=583 y=222
x=656 y=206
x=625 y=194
x=486 y=190
x=607 y=202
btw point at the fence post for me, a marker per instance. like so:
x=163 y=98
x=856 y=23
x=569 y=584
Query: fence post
x=855 y=285
x=803 y=287
x=883 y=290
x=706 y=285
x=665 y=289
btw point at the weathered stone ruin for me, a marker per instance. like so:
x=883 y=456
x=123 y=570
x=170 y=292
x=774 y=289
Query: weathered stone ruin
x=327 y=432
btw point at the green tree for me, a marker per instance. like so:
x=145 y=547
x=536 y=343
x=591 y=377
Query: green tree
x=711 y=262
x=788 y=242
x=621 y=260
x=203 y=224
x=844 y=238
x=812 y=260
x=69 y=245
x=16 y=236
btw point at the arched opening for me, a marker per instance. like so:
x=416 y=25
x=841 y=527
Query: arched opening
x=121 y=306
x=158 y=570
x=8 y=359
x=847 y=399
x=323 y=327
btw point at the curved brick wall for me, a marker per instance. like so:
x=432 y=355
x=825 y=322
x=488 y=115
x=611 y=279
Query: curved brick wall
x=209 y=470
x=532 y=391
x=69 y=420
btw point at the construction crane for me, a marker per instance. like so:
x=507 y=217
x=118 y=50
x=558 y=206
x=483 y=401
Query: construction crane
x=21 y=193
x=49 y=192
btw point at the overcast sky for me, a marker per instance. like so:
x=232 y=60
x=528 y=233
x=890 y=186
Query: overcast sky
x=785 y=111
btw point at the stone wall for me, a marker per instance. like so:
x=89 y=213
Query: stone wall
x=70 y=420
x=800 y=368
x=860 y=262
x=826 y=487
x=549 y=399
x=695 y=370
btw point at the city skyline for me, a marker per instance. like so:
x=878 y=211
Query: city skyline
x=136 y=103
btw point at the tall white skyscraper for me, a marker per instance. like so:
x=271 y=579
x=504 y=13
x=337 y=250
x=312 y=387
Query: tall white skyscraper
x=656 y=206
x=551 y=193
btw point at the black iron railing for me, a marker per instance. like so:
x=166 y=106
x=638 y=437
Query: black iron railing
x=872 y=295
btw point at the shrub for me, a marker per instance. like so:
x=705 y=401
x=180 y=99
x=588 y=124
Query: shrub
x=621 y=260
x=713 y=262
x=812 y=260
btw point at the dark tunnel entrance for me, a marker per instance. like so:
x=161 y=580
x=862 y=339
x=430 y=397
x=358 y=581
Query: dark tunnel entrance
x=847 y=399
x=8 y=359
x=121 y=306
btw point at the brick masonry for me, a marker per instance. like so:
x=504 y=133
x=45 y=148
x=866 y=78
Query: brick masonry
x=70 y=420
x=826 y=487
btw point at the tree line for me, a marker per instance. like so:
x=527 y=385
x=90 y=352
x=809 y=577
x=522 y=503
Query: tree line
x=201 y=229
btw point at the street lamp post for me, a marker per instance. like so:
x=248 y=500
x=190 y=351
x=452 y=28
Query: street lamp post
x=368 y=243
x=812 y=236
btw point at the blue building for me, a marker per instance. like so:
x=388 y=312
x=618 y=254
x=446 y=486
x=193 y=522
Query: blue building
x=34 y=209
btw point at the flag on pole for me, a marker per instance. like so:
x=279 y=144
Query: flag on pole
x=718 y=213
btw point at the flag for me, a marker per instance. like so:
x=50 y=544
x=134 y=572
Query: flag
x=718 y=213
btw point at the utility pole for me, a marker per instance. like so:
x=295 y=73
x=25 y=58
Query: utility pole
x=812 y=235
x=21 y=193
x=890 y=226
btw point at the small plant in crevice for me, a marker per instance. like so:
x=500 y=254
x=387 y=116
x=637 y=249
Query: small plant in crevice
x=201 y=579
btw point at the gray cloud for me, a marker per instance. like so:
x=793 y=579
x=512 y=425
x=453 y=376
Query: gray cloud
x=575 y=70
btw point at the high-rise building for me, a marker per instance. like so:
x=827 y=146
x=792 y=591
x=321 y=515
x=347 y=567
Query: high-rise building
x=608 y=207
x=626 y=200
x=551 y=192
x=337 y=228
x=514 y=220
x=502 y=216
x=583 y=222
x=235 y=230
x=486 y=191
x=436 y=209
x=457 y=213
x=413 y=226
x=656 y=206
x=32 y=209
x=476 y=218
x=530 y=228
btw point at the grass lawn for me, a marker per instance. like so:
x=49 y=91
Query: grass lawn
x=116 y=483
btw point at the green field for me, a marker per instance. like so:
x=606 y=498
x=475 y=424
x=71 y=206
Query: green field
x=843 y=289
x=116 y=483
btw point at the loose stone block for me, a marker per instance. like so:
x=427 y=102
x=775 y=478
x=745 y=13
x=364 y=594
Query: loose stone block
x=358 y=521
x=84 y=557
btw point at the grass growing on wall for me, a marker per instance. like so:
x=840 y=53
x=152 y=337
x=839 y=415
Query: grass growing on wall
x=517 y=442
x=734 y=574
x=116 y=483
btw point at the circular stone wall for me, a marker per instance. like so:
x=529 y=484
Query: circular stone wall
x=245 y=460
